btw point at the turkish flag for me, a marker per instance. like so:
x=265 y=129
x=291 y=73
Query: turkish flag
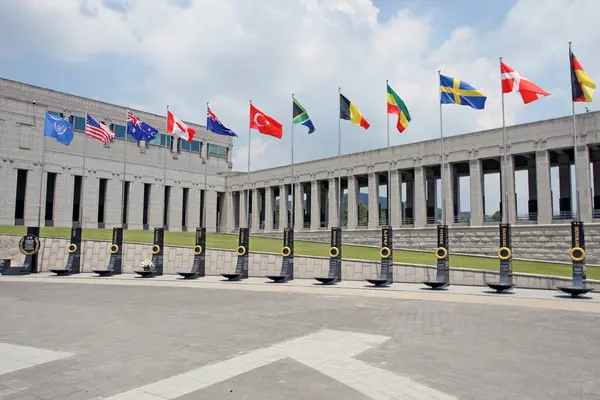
x=264 y=124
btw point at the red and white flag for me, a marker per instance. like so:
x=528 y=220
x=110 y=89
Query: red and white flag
x=265 y=124
x=512 y=81
x=178 y=128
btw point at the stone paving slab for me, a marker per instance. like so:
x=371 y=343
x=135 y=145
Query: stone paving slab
x=464 y=294
x=126 y=334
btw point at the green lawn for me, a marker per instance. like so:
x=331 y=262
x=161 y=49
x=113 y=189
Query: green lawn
x=227 y=241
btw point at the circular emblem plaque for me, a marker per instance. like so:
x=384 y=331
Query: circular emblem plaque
x=29 y=245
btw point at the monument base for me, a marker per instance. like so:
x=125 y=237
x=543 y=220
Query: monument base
x=328 y=280
x=62 y=272
x=379 y=282
x=436 y=284
x=189 y=275
x=23 y=270
x=145 y=274
x=278 y=278
x=499 y=287
x=575 y=291
x=103 y=272
x=232 y=277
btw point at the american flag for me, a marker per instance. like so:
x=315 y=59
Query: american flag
x=97 y=130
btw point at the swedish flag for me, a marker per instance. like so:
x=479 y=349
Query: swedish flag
x=454 y=91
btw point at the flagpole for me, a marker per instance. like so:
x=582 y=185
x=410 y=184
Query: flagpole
x=83 y=173
x=292 y=214
x=577 y=215
x=203 y=223
x=389 y=172
x=39 y=219
x=340 y=210
x=124 y=173
x=248 y=175
x=165 y=169
x=442 y=161
x=504 y=186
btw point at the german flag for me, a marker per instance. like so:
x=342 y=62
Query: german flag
x=349 y=111
x=582 y=87
x=395 y=105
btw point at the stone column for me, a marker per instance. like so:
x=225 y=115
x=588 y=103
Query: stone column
x=431 y=198
x=333 y=212
x=448 y=178
x=228 y=210
x=420 y=210
x=175 y=209
x=476 y=182
x=542 y=169
x=90 y=201
x=32 y=196
x=596 y=190
x=243 y=206
x=410 y=200
x=373 y=201
x=113 y=203
x=269 y=208
x=315 y=205
x=298 y=206
x=511 y=207
x=564 y=185
x=584 y=182
x=395 y=199
x=283 y=207
x=155 y=213
x=352 y=202
x=532 y=206
x=63 y=201
x=255 y=210
x=211 y=210
x=193 y=209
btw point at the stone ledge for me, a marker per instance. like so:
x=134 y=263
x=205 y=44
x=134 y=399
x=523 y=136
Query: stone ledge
x=54 y=253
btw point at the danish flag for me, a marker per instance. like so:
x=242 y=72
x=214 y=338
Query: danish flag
x=512 y=81
x=175 y=126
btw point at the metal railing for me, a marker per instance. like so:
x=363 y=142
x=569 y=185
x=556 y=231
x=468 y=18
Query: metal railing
x=492 y=218
x=596 y=213
x=433 y=220
x=563 y=215
x=527 y=216
x=363 y=222
x=461 y=219
x=408 y=221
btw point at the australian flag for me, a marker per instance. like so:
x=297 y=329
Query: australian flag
x=214 y=125
x=139 y=129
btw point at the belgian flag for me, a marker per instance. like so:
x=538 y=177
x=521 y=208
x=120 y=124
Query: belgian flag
x=349 y=112
x=582 y=87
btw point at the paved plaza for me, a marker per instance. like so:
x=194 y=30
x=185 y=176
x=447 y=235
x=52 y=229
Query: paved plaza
x=123 y=338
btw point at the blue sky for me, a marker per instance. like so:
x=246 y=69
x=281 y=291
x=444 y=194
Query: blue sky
x=149 y=53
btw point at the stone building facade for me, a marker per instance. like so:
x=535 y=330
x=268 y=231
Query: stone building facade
x=146 y=168
x=164 y=182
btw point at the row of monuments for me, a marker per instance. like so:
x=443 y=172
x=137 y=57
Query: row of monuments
x=29 y=246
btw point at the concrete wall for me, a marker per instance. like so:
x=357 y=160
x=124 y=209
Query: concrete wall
x=533 y=242
x=24 y=146
x=95 y=255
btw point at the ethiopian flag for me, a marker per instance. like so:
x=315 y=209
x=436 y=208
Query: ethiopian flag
x=395 y=105
x=349 y=112
x=581 y=85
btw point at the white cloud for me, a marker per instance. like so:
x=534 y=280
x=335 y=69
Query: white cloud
x=230 y=51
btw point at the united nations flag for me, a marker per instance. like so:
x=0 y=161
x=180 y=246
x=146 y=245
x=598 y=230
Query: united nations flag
x=58 y=128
